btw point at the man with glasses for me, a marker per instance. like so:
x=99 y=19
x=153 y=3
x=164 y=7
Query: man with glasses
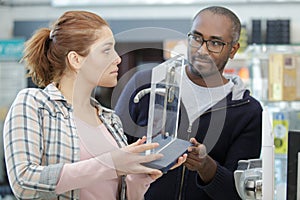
x=217 y=113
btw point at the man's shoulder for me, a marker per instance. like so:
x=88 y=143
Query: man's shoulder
x=253 y=102
x=143 y=75
x=140 y=80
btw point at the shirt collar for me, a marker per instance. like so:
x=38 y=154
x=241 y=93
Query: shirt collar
x=54 y=93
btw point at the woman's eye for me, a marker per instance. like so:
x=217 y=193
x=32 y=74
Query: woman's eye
x=107 y=51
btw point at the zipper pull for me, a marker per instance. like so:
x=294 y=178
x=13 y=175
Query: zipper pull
x=189 y=130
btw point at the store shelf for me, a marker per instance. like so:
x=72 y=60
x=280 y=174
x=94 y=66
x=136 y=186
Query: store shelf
x=285 y=114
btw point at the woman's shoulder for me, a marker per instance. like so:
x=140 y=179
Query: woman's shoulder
x=29 y=98
x=47 y=98
x=31 y=93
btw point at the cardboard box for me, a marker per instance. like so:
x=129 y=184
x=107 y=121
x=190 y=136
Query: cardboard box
x=283 y=69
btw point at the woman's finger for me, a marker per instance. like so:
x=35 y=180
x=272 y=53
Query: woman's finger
x=141 y=148
x=180 y=161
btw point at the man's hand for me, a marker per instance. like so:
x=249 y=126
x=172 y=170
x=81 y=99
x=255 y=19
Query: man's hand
x=196 y=156
x=199 y=161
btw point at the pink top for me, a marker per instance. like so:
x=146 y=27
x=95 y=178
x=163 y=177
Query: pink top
x=95 y=174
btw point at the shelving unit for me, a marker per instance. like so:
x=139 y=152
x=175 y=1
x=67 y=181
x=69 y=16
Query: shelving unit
x=255 y=59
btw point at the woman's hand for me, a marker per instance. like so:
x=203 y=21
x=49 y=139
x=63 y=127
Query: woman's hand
x=180 y=161
x=129 y=159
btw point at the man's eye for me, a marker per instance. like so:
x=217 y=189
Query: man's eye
x=198 y=39
x=216 y=43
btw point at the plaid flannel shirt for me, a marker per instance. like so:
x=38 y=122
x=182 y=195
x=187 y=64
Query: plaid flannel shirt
x=40 y=136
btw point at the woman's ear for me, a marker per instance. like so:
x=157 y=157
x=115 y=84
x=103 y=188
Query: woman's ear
x=75 y=60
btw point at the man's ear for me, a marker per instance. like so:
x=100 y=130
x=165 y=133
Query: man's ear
x=234 y=49
x=75 y=60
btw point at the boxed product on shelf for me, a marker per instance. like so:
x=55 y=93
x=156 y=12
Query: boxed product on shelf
x=280 y=129
x=298 y=78
x=283 y=69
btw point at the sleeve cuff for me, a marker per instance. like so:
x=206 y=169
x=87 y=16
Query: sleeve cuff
x=221 y=187
x=216 y=181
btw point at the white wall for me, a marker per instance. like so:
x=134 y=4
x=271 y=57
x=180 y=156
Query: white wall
x=246 y=12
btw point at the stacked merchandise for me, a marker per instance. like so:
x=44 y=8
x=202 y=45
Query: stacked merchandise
x=243 y=39
x=256 y=32
x=278 y=32
x=284 y=79
x=275 y=31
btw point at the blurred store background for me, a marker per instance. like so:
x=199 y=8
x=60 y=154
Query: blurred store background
x=147 y=32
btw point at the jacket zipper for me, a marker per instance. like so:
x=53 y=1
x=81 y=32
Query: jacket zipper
x=181 y=182
x=230 y=106
x=189 y=130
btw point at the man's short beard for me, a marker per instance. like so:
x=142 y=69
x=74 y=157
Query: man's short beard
x=194 y=71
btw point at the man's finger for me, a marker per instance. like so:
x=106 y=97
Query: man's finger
x=193 y=149
x=194 y=142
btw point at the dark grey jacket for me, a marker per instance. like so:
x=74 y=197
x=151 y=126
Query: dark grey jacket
x=233 y=125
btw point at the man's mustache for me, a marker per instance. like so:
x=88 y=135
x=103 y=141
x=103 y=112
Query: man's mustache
x=202 y=58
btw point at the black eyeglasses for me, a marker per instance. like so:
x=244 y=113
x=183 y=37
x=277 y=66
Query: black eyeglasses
x=214 y=46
